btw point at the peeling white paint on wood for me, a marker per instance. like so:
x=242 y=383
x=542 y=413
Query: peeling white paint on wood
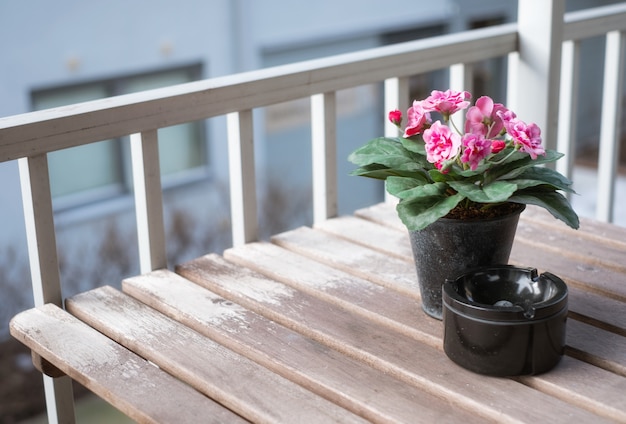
x=219 y=373
x=119 y=376
x=248 y=283
x=394 y=273
x=311 y=364
x=215 y=308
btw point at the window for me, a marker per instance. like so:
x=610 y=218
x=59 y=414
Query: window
x=101 y=170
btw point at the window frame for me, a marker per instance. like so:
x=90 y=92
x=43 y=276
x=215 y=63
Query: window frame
x=119 y=192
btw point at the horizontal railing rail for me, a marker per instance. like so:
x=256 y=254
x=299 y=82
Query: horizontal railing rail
x=29 y=137
x=67 y=126
x=593 y=22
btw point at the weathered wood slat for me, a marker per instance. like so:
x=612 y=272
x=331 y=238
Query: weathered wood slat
x=603 y=233
x=561 y=240
x=234 y=381
x=371 y=234
x=127 y=381
x=569 y=244
x=607 y=389
x=599 y=311
x=377 y=267
x=335 y=286
x=363 y=390
x=596 y=346
x=378 y=346
x=382 y=213
x=591 y=229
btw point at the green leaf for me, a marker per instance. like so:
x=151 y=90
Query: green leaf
x=518 y=163
x=415 y=146
x=496 y=192
x=418 y=213
x=554 y=202
x=382 y=172
x=468 y=173
x=543 y=176
x=410 y=188
x=438 y=176
x=383 y=151
x=374 y=170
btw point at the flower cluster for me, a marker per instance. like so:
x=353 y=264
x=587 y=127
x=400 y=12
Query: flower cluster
x=434 y=167
x=485 y=122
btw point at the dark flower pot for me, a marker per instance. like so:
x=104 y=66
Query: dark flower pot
x=448 y=247
x=505 y=320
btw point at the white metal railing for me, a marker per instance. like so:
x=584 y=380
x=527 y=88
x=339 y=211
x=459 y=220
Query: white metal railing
x=533 y=47
x=609 y=22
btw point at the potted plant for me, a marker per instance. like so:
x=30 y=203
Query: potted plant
x=461 y=191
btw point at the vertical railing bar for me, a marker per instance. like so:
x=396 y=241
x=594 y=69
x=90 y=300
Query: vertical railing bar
x=570 y=74
x=324 y=155
x=241 y=167
x=538 y=65
x=512 y=96
x=461 y=79
x=397 y=93
x=39 y=221
x=60 y=406
x=148 y=200
x=44 y=267
x=610 y=124
x=396 y=97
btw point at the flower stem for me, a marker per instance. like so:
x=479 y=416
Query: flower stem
x=455 y=127
x=505 y=158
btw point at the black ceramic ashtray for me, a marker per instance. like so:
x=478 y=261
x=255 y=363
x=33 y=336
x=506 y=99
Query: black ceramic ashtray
x=505 y=320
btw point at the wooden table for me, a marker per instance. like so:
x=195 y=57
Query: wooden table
x=324 y=325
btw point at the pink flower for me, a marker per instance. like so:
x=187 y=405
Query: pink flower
x=441 y=144
x=506 y=115
x=477 y=147
x=497 y=146
x=447 y=102
x=526 y=137
x=418 y=120
x=395 y=116
x=485 y=117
